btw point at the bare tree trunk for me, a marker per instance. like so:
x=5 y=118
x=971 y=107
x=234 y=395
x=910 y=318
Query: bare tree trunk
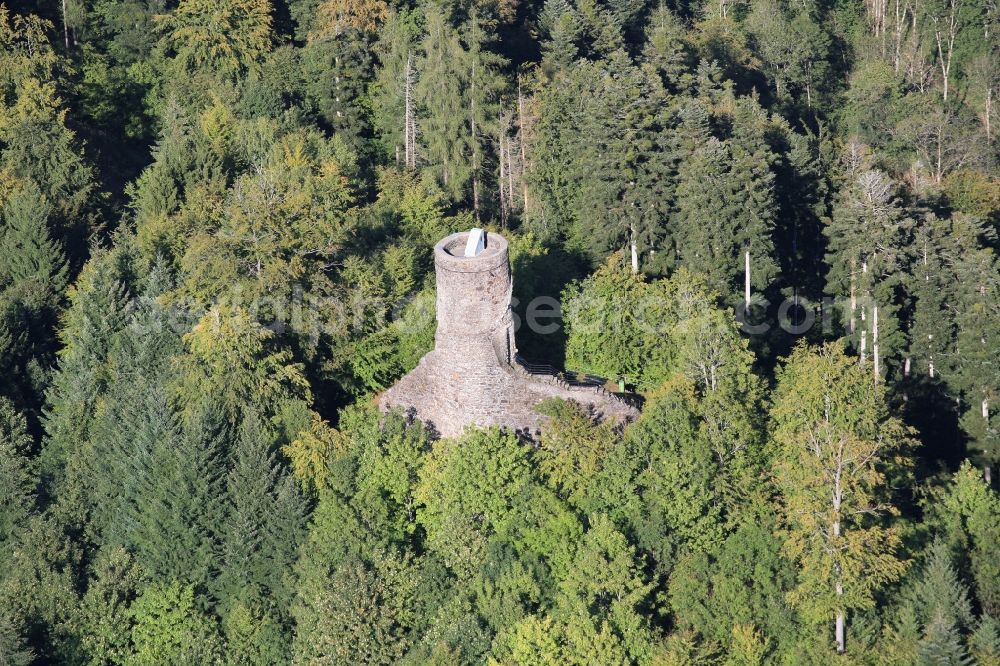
x=839 y=627
x=475 y=149
x=987 y=468
x=852 y=325
x=746 y=282
x=898 y=36
x=989 y=112
x=864 y=319
x=635 y=251
x=510 y=174
x=938 y=170
x=409 y=120
x=502 y=181
x=521 y=133
x=946 y=43
x=65 y=26
x=875 y=358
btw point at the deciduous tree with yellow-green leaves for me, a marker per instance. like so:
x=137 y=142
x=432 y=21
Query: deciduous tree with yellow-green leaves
x=839 y=455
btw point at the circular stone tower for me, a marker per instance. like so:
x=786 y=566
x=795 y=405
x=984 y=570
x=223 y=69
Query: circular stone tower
x=475 y=324
x=473 y=376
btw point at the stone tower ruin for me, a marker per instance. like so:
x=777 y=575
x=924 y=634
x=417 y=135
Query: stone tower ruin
x=473 y=376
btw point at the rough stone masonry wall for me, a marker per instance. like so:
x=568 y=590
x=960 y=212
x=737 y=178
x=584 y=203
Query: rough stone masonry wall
x=471 y=377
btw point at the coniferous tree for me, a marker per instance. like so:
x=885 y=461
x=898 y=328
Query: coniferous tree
x=725 y=205
x=337 y=62
x=481 y=98
x=977 y=353
x=391 y=93
x=115 y=462
x=562 y=25
x=13 y=651
x=984 y=643
x=665 y=49
x=938 y=594
x=27 y=250
x=16 y=478
x=180 y=505
x=942 y=645
x=96 y=313
x=227 y=38
x=261 y=529
x=969 y=510
x=933 y=327
x=442 y=128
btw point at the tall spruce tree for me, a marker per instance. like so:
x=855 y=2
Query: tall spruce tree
x=97 y=311
x=16 y=478
x=939 y=600
x=178 y=506
x=977 y=353
x=262 y=527
x=725 y=205
x=27 y=251
x=440 y=97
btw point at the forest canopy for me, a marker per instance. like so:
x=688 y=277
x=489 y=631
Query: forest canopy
x=774 y=223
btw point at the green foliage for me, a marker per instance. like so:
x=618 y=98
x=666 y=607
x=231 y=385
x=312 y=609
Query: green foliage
x=16 y=475
x=615 y=326
x=938 y=595
x=679 y=503
x=178 y=505
x=169 y=628
x=725 y=207
x=103 y=621
x=572 y=449
x=467 y=489
x=262 y=528
x=837 y=447
x=29 y=253
x=13 y=650
x=232 y=360
x=254 y=638
x=229 y=37
x=984 y=644
x=216 y=232
x=742 y=583
x=967 y=512
x=358 y=614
